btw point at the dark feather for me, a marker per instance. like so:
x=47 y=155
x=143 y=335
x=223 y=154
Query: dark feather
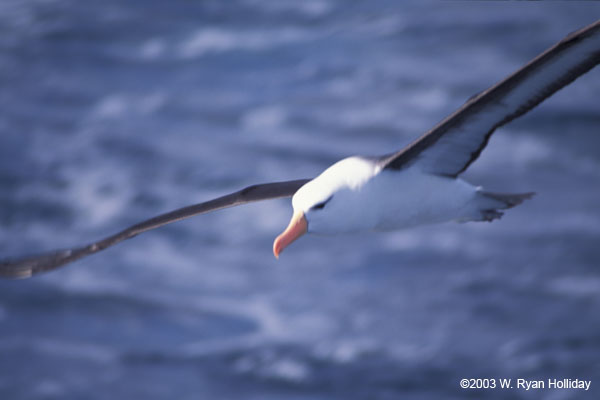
x=451 y=146
x=28 y=266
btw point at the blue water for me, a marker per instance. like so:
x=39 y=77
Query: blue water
x=114 y=111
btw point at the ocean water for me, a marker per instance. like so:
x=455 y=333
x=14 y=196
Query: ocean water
x=115 y=111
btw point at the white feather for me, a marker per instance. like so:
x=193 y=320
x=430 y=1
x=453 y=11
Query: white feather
x=364 y=197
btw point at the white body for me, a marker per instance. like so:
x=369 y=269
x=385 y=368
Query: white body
x=364 y=197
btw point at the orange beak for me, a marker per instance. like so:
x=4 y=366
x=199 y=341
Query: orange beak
x=297 y=227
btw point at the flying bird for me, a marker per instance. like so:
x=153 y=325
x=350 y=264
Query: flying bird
x=417 y=185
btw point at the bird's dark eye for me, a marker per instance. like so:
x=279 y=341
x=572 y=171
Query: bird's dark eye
x=321 y=205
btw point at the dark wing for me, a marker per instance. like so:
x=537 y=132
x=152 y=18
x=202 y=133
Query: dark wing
x=28 y=266
x=451 y=146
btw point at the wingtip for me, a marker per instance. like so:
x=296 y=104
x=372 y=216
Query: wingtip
x=17 y=269
x=26 y=267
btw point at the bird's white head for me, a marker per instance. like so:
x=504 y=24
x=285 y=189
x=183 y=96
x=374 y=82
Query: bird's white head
x=327 y=203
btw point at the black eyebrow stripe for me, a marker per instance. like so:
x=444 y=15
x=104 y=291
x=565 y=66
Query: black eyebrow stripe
x=321 y=205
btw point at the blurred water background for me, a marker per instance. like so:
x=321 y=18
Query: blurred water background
x=114 y=111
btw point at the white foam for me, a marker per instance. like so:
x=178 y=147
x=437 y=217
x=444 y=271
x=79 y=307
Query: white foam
x=522 y=149
x=439 y=238
x=585 y=165
x=86 y=351
x=342 y=87
x=152 y=49
x=17 y=14
x=150 y=103
x=311 y=8
x=217 y=40
x=287 y=369
x=577 y=286
x=344 y=351
x=267 y=363
x=261 y=118
x=111 y=106
x=263 y=218
x=387 y=24
x=90 y=280
x=270 y=325
x=49 y=388
x=377 y=113
x=576 y=222
x=177 y=267
x=430 y=99
x=269 y=319
x=401 y=240
x=118 y=105
x=89 y=194
x=516 y=149
x=471 y=239
x=563 y=221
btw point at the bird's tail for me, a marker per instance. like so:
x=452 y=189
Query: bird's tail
x=507 y=200
x=491 y=202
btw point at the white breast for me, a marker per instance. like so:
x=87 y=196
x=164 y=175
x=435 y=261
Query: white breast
x=367 y=198
x=411 y=197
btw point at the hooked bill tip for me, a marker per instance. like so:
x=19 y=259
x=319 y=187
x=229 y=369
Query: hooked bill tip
x=297 y=227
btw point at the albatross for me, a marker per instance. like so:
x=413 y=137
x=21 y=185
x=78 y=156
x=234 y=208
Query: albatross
x=417 y=185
